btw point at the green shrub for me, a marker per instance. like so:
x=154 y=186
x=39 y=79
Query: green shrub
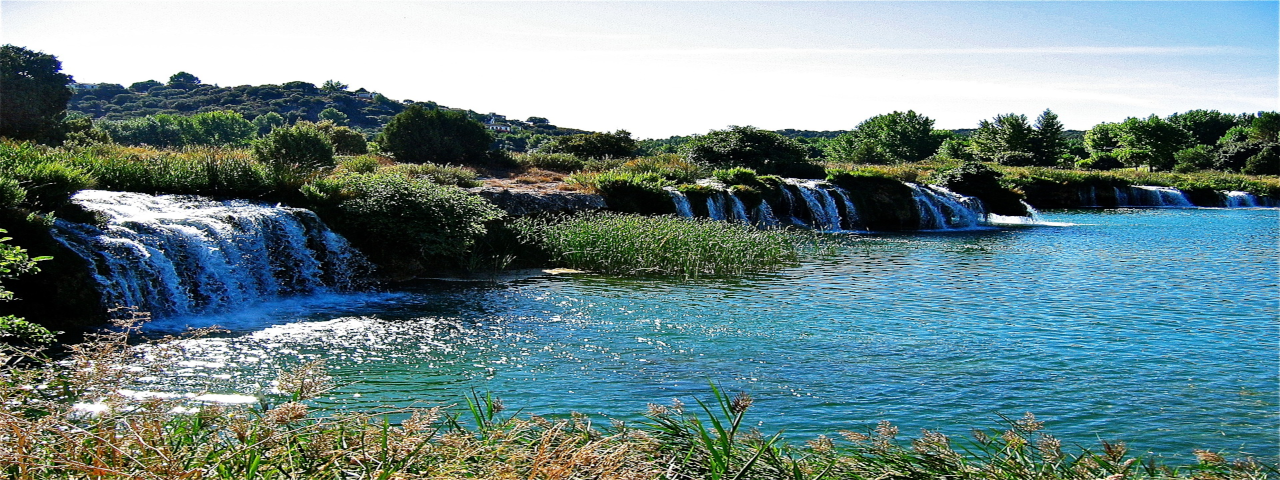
x=669 y=166
x=624 y=191
x=438 y=174
x=1199 y=157
x=359 y=164
x=1266 y=162
x=301 y=147
x=555 y=162
x=46 y=178
x=14 y=261
x=345 y=140
x=736 y=176
x=624 y=244
x=417 y=135
x=193 y=171
x=762 y=150
x=618 y=144
x=11 y=193
x=396 y=218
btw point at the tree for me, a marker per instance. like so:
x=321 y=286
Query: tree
x=537 y=120
x=1199 y=157
x=900 y=136
x=333 y=86
x=1266 y=162
x=1008 y=140
x=143 y=86
x=417 y=135
x=267 y=122
x=33 y=94
x=1047 y=144
x=300 y=147
x=1102 y=138
x=761 y=150
x=618 y=144
x=333 y=115
x=345 y=140
x=1156 y=136
x=220 y=128
x=183 y=80
x=1205 y=126
x=1265 y=128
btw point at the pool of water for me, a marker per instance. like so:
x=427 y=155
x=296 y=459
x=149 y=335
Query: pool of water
x=1157 y=327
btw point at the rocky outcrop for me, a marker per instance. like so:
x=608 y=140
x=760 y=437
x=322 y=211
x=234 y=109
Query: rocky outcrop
x=517 y=202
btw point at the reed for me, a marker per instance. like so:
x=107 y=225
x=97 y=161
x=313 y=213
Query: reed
x=76 y=419
x=623 y=244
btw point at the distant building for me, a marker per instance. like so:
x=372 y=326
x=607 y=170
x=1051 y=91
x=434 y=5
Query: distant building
x=84 y=87
x=366 y=95
x=499 y=128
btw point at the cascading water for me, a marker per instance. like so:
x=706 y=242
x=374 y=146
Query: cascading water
x=179 y=255
x=822 y=208
x=683 y=208
x=943 y=209
x=1152 y=196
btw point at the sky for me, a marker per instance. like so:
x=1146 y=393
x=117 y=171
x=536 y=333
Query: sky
x=659 y=69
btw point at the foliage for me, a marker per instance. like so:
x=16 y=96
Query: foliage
x=628 y=191
x=395 y=216
x=215 y=128
x=618 y=144
x=295 y=150
x=889 y=138
x=1100 y=161
x=1205 y=126
x=35 y=94
x=38 y=178
x=1151 y=141
x=1199 y=157
x=761 y=150
x=438 y=174
x=202 y=171
x=15 y=261
x=418 y=135
x=737 y=176
x=333 y=115
x=624 y=244
x=555 y=162
x=668 y=166
x=345 y=140
x=1010 y=140
x=1103 y=137
x=1266 y=162
x=267 y=122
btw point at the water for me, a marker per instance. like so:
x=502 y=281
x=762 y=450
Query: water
x=1157 y=327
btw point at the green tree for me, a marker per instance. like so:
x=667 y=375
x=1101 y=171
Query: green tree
x=900 y=136
x=1199 y=157
x=1205 y=126
x=143 y=86
x=183 y=80
x=1266 y=162
x=1008 y=139
x=618 y=144
x=267 y=122
x=299 y=148
x=221 y=128
x=33 y=94
x=1102 y=138
x=345 y=140
x=417 y=135
x=762 y=150
x=333 y=115
x=1265 y=128
x=1047 y=144
x=333 y=86
x=1155 y=135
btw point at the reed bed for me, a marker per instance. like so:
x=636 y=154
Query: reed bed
x=623 y=244
x=75 y=419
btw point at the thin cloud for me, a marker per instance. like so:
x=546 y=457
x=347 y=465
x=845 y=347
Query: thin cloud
x=1210 y=50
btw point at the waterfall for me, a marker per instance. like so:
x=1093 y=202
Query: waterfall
x=681 y=201
x=764 y=217
x=822 y=208
x=1090 y=198
x=851 y=213
x=943 y=209
x=1152 y=196
x=715 y=207
x=179 y=255
x=739 y=210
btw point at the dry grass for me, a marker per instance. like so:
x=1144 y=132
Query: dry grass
x=45 y=433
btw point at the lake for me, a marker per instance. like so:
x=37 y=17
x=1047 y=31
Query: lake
x=1157 y=327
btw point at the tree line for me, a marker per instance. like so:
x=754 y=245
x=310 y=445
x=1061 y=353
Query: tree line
x=185 y=112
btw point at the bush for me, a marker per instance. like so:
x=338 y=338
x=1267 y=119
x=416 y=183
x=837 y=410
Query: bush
x=618 y=144
x=45 y=179
x=761 y=150
x=438 y=174
x=669 y=166
x=345 y=140
x=737 y=176
x=302 y=148
x=398 y=219
x=360 y=164
x=1199 y=157
x=624 y=191
x=555 y=162
x=418 y=135
x=192 y=171
x=14 y=261
x=1100 y=161
x=1266 y=162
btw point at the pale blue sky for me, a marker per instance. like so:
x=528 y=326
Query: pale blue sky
x=662 y=69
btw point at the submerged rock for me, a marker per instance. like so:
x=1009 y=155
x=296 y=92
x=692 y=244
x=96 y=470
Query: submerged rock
x=530 y=202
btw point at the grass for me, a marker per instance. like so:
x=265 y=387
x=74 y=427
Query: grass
x=45 y=435
x=1204 y=180
x=624 y=244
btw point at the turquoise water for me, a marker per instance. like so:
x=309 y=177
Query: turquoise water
x=1156 y=327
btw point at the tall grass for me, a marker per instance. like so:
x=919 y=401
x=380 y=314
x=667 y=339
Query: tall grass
x=1203 y=180
x=623 y=244
x=46 y=432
